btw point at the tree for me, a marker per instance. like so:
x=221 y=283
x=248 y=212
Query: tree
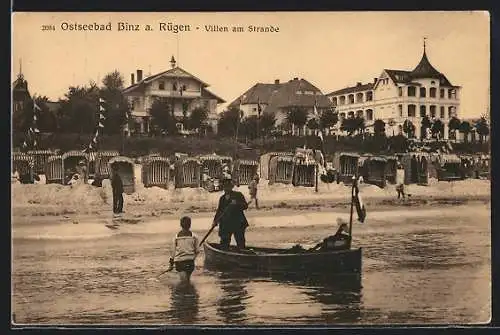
x=267 y=123
x=359 y=123
x=409 y=128
x=248 y=127
x=48 y=119
x=79 y=108
x=328 y=119
x=297 y=116
x=454 y=125
x=198 y=117
x=379 y=128
x=437 y=129
x=228 y=122
x=161 y=116
x=313 y=124
x=115 y=103
x=349 y=125
x=426 y=124
x=482 y=128
x=465 y=128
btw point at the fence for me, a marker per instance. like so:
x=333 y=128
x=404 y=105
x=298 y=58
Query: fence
x=187 y=173
x=54 y=171
x=40 y=158
x=346 y=165
x=304 y=173
x=156 y=171
x=281 y=169
x=124 y=166
x=265 y=161
x=101 y=164
x=244 y=171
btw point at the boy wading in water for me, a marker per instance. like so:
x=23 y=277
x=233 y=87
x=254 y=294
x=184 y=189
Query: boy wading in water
x=185 y=250
x=252 y=187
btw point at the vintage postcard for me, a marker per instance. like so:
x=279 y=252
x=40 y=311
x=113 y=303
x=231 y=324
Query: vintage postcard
x=264 y=168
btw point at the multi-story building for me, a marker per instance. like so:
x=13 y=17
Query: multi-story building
x=183 y=91
x=280 y=98
x=399 y=95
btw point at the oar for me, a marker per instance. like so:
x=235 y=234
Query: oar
x=212 y=228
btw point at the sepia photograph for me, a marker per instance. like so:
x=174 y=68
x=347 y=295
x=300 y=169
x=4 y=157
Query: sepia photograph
x=250 y=168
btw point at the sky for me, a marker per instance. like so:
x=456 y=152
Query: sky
x=332 y=50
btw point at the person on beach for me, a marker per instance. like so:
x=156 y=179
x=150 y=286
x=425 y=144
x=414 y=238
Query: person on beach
x=400 y=186
x=185 y=249
x=117 y=187
x=252 y=187
x=230 y=216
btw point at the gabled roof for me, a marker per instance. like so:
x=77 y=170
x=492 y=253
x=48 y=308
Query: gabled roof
x=175 y=72
x=207 y=94
x=288 y=94
x=352 y=89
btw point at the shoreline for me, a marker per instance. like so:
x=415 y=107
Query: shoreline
x=46 y=214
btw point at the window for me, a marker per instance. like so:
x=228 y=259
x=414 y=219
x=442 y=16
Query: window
x=369 y=114
x=411 y=91
x=342 y=116
x=433 y=111
x=400 y=108
x=451 y=112
x=412 y=111
x=351 y=98
x=433 y=82
x=432 y=92
x=161 y=85
x=369 y=96
x=334 y=101
x=452 y=94
x=441 y=93
x=174 y=86
x=359 y=113
x=423 y=110
x=422 y=92
x=254 y=109
x=342 y=100
x=441 y=112
x=359 y=97
x=400 y=91
x=350 y=114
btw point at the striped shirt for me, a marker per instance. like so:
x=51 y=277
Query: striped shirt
x=185 y=248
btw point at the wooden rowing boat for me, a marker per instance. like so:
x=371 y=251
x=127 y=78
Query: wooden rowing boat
x=284 y=262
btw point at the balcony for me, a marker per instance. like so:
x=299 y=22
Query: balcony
x=175 y=94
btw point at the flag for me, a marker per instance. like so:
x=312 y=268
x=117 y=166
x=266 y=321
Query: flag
x=358 y=202
x=320 y=133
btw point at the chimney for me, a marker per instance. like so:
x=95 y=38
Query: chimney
x=132 y=79
x=296 y=78
x=375 y=80
x=139 y=76
x=358 y=84
x=276 y=81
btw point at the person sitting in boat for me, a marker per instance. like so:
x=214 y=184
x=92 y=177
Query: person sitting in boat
x=185 y=248
x=332 y=242
x=230 y=216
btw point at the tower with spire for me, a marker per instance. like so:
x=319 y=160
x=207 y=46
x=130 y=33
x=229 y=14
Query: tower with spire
x=397 y=96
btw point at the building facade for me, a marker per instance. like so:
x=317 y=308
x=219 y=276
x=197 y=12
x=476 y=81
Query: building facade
x=183 y=92
x=279 y=99
x=398 y=95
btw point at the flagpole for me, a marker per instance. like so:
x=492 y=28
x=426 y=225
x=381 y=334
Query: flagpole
x=354 y=180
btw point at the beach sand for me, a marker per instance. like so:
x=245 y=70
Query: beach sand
x=39 y=204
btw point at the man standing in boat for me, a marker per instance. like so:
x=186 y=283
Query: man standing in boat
x=230 y=216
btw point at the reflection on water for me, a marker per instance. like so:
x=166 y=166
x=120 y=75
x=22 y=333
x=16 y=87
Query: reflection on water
x=185 y=299
x=415 y=270
x=232 y=301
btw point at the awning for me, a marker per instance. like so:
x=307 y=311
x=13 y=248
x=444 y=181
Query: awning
x=349 y=154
